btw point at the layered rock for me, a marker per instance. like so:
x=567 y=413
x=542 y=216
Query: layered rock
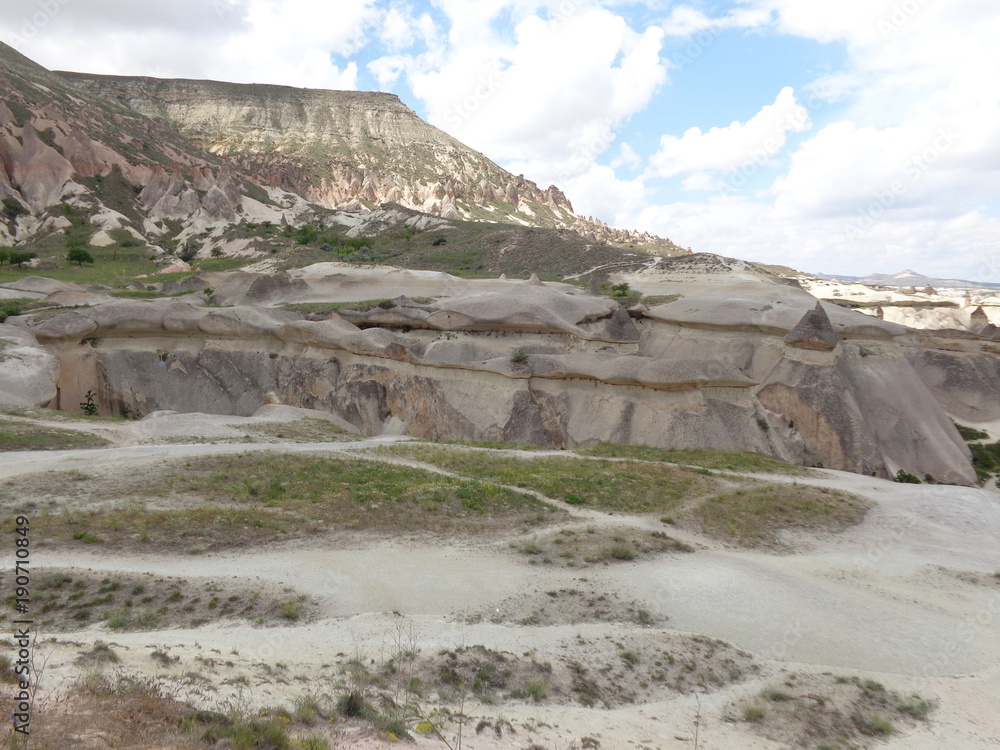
x=542 y=363
x=340 y=149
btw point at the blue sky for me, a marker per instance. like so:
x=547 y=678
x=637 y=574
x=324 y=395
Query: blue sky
x=851 y=137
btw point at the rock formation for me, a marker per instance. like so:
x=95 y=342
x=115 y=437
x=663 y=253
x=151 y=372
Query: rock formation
x=747 y=366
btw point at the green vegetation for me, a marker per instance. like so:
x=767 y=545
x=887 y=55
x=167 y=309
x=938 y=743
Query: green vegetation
x=12 y=208
x=906 y=477
x=985 y=459
x=970 y=433
x=259 y=498
x=823 y=712
x=67 y=600
x=26 y=436
x=604 y=485
x=18 y=306
x=579 y=549
x=708 y=459
x=755 y=515
x=79 y=256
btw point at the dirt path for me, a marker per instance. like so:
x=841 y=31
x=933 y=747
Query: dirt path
x=885 y=598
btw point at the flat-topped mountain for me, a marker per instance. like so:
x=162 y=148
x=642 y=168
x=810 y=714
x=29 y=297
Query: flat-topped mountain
x=179 y=166
x=348 y=150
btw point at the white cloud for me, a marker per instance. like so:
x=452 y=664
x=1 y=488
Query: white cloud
x=245 y=41
x=397 y=29
x=627 y=157
x=753 y=230
x=739 y=144
x=551 y=97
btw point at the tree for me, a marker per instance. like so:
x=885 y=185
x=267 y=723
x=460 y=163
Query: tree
x=20 y=257
x=79 y=256
x=4 y=255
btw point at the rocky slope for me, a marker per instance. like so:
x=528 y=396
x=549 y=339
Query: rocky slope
x=213 y=157
x=347 y=150
x=60 y=146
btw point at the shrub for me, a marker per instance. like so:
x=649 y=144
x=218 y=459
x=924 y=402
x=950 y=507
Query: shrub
x=291 y=609
x=753 y=713
x=519 y=357
x=906 y=478
x=87 y=406
x=12 y=208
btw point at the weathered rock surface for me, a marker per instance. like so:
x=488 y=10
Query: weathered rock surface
x=866 y=400
x=28 y=373
x=319 y=144
x=814 y=331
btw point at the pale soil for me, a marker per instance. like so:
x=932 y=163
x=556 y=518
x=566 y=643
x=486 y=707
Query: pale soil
x=907 y=598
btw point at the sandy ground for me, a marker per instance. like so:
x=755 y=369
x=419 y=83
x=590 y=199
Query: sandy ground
x=891 y=599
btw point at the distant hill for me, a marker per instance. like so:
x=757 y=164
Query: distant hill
x=907 y=278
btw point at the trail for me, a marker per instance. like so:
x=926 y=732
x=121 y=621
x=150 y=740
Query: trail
x=882 y=598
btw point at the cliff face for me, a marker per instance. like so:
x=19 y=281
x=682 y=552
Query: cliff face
x=341 y=148
x=743 y=366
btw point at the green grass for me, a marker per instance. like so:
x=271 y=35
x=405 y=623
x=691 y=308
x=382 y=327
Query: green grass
x=985 y=459
x=19 y=306
x=970 y=433
x=259 y=498
x=605 y=485
x=753 y=516
x=24 y=436
x=709 y=459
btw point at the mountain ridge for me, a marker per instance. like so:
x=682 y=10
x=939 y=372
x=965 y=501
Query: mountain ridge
x=349 y=150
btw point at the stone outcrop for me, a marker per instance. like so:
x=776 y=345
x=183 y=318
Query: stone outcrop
x=702 y=376
x=814 y=331
x=28 y=373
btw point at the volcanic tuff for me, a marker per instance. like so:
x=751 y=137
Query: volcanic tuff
x=213 y=155
x=344 y=148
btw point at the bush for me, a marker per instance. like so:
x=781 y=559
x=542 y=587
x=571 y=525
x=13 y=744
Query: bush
x=906 y=477
x=87 y=406
x=12 y=208
x=519 y=357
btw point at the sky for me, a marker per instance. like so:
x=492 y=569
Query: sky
x=847 y=138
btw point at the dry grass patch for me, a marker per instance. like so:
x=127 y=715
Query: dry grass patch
x=67 y=599
x=124 y=711
x=566 y=606
x=219 y=502
x=623 y=486
x=111 y=712
x=25 y=436
x=605 y=672
x=755 y=515
x=307 y=430
x=593 y=546
x=708 y=459
x=823 y=712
